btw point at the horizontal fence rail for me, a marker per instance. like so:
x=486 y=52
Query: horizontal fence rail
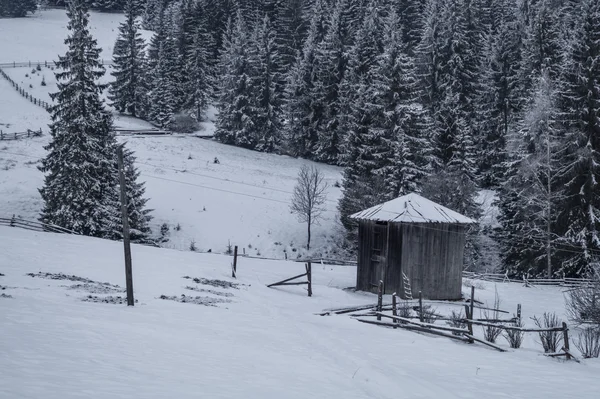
x=33 y=64
x=20 y=135
x=504 y=278
x=33 y=225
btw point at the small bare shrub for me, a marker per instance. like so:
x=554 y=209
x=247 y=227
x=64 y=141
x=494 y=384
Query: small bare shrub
x=193 y=246
x=457 y=321
x=43 y=81
x=491 y=333
x=429 y=315
x=583 y=304
x=404 y=310
x=229 y=250
x=515 y=337
x=588 y=342
x=550 y=340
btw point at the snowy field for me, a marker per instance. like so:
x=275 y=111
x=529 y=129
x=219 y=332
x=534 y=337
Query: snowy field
x=254 y=342
x=244 y=199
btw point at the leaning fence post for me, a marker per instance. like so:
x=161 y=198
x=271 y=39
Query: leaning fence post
x=420 y=306
x=469 y=317
x=379 y=299
x=566 y=340
x=234 y=270
x=309 y=277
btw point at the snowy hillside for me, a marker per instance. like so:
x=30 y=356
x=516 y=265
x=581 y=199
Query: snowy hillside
x=253 y=342
x=244 y=199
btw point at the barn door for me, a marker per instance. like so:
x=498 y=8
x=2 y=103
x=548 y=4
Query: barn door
x=378 y=254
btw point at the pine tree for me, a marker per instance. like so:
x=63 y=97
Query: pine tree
x=291 y=24
x=499 y=100
x=411 y=17
x=330 y=64
x=151 y=15
x=302 y=110
x=235 y=123
x=199 y=65
x=266 y=81
x=79 y=165
x=163 y=98
x=128 y=92
x=579 y=217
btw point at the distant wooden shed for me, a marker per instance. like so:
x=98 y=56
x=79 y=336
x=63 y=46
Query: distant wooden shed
x=414 y=236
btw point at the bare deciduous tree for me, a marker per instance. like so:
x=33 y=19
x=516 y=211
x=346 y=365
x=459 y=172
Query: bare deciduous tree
x=309 y=197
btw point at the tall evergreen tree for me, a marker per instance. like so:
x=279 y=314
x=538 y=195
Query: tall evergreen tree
x=302 y=110
x=579 y=217
x=235 y=123
x=129 y=91
x=266 y=82
x=78 y=183
x=330 y=64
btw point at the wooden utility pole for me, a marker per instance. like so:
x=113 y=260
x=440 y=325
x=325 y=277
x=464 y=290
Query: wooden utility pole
x=125 y=218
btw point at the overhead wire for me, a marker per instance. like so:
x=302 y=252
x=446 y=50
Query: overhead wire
x=576 y=249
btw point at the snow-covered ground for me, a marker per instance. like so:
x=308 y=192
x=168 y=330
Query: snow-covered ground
x=244 y=199
x=260 y=343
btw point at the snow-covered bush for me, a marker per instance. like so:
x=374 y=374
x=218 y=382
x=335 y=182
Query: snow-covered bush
x=583 y=303
x=515 y=337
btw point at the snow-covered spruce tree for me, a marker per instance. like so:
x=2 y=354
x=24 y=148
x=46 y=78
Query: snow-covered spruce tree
x=128 y=92
x=235 y=123
x=499 y=99
x=151 y=14
x=411 y=17
x=163 y=103
x=542 y=50
x=329 y=70
x=79 y=166
x=264 y=61
x=455 y=144
x=17 y=8
x=199 y=66
x=358 y=78
x=291 y=22
x=302 y=111
x=579 y=217
x=406 y=153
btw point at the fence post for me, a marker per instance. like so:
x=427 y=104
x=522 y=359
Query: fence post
x=472 y=304
x=519 y=313
x=394 y=309
x=12 y=221
x=420 y=306
x=1 y=135
x=469 y=325
x=125 y=218
x=234 y=271
x=309 y=277
x=566 y=340
x=379 y=298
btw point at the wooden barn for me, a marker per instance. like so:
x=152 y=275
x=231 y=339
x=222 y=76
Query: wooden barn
x=415 y=240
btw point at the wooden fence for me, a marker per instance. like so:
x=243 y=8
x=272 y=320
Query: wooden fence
x=34 y=64
x=20 y=135
x=33 y=225
x=24 y=93
x=504 y=278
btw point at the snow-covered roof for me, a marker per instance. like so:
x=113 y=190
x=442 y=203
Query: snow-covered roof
x=412 y=208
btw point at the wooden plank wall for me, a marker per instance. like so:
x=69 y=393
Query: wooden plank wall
x=431 y=255
x=432 y=258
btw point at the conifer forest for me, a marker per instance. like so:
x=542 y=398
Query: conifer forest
x=440 y=97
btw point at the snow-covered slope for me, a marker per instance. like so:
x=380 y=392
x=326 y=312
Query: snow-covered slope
x=244 y=199
x=260 y=343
